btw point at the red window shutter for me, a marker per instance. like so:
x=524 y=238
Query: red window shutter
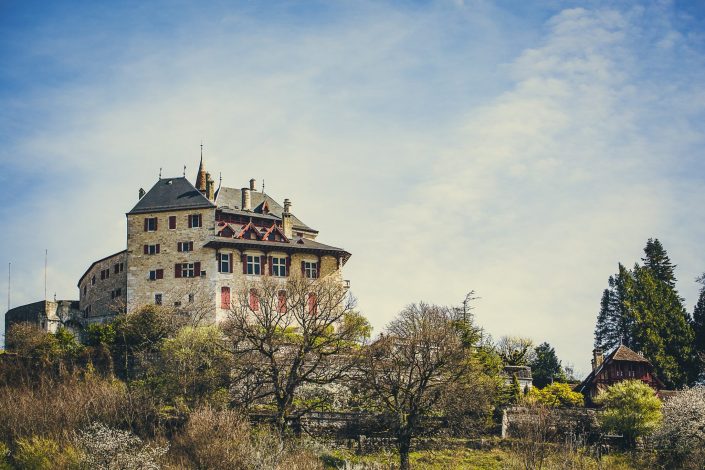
x=158 y=246
x=146 y=249
x=177 y=270
x=172 y=222
x=288 y=265
x=225 y=297
x=232 y=261
x=262 y=265
x=190 y=246
x=156 y=221
x=197 y=268
x=145 y=224
x=200 y=220
x=244 y=263
x=178 y=247
x=281 y=306
x=269 y=261
x=303 y=268
x=190 y=225
x=160 y=274
x=318 y=268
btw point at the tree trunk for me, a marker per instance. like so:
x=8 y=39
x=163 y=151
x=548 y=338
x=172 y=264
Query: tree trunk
x=404 y=445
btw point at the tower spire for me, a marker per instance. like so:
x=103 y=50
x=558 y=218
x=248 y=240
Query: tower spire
x=201 y=178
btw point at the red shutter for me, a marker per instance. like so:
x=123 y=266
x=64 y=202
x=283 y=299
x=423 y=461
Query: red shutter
x=172 y=222
x=225 y=297
x=145 y=224
x=190 y=246
x=160 y=274
x=232 y=261
x=177 y=270
x=269 y=261
x=155 y=223
x=262 y=265
x=303 y=268
x=189 y=221
x=244 y=263
x=158 y=247
x=200 y=220
x=197 y=268
x=146 y=249
x=318 y=268
x=178 y=247
x=288 y=265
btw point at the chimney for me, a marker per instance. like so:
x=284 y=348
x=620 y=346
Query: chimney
x=210 y=187
x=286 y=220
x=252 y=185
x=246 y=199
x=597 y=358
x=141 y=193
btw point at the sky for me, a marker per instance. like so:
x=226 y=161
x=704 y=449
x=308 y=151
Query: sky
x=517 y=149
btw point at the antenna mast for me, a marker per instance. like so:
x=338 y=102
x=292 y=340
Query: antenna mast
x=9 y=279
x=46 y=255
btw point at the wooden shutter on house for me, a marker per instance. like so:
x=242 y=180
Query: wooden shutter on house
x=303 y=268
x=158 y=245
x=197 y=268
x=155 y=223
x=145 y=224
x=172 y=222
x=288 y=265
x=179 y=247
x=190 y=225
x=146 y=249
x=160 y=274
x=262 y=264
x=232 y=261
x=177 y=270
x=269 y=262
x=318 y=267
x=243 y=258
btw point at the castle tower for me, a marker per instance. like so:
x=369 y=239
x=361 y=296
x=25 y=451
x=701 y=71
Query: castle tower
x=201 y=178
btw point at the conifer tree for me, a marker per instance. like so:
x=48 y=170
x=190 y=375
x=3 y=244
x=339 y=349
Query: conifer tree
x=614 y=322
x=656 y=259
x=546 y=368
x=699 y=329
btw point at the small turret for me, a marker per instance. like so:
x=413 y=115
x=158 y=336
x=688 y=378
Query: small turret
x=287 y=224
x=201 y=177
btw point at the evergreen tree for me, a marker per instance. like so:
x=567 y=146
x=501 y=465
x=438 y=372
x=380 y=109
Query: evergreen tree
x=614 y=323
x=546 y=368
x=699 y=329
x=656 y=259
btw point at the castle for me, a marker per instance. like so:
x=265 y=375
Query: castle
x=188 y=246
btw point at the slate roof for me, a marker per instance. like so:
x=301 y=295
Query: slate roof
x=230 y=200
x=171 y=194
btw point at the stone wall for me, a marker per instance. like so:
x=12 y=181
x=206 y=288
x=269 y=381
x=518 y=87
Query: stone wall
x=102 y=297
x=47 y=315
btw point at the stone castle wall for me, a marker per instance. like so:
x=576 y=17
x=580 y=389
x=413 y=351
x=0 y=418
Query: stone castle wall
x=100 y=298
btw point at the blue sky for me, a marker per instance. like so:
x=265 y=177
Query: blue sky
x=520 y=149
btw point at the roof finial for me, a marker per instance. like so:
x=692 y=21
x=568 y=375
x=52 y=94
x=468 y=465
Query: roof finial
x=160 y=172
x=201 y=150
x=263 y=186
x=184 y=171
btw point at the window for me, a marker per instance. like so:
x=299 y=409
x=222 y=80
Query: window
x=177 y=304
x=151 y=249
x=156 y=274
x=119 y=267
x=85 y=288
x=150 y=224
x=104 y=274
x=172 y=222
x=93 y=281
x=184 y=246
x=281 y=301
x=253 y=301
x=114 y=294
x=225 y=297
x=194 y=220
x=157 y=299
x=254 y=265
x=309 y=269
x=225 y=264
x=188 y=270
x=190 y=298
x=278 y=267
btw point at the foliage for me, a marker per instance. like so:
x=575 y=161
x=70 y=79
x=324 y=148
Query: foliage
x=546 y=368
x=515 y=350
x=281 y=342
x=97 y=334
x=106 y=448
x=556 y=394
x=39 y=453
x=643 y=310
x=681 y=436
x=631 y=409
x=699 y=330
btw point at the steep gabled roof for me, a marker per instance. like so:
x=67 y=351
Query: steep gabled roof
x=620 y=354
x=231 y=198
x=171 y=194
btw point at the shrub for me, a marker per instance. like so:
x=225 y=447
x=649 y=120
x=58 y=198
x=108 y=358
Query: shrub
x=556 y=394
x=681 y=437
x=39 y=453
x=105 y=448
x=631 y=408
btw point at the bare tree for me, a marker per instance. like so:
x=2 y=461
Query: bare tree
x=409 y=368
x=289 y=333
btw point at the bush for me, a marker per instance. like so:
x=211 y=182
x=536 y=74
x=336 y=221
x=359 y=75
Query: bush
x=105 y=448
x=38 y=453
x=631 y=409
x=681 y=437
x=556 y=394
x=225 y=440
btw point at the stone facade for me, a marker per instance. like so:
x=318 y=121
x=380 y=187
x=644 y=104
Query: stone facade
x=103 y=288
x=46 y=314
